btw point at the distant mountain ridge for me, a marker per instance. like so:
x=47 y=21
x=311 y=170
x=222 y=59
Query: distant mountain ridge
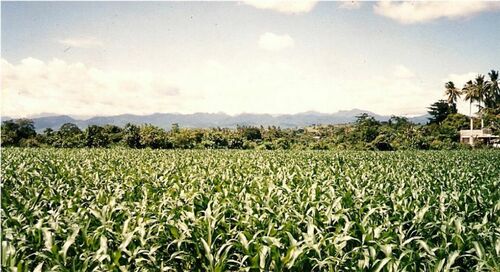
x=206 y=120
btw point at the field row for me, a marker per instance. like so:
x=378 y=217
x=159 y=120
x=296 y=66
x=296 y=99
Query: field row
x=137 y=210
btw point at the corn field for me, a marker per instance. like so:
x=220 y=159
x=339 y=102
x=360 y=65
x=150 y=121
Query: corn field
x=188 y=210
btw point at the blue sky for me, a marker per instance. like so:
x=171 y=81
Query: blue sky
x=93 y=58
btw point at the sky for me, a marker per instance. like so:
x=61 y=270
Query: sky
x=109 y=58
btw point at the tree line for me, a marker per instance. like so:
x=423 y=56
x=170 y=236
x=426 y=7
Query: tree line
x=484 y=92
x=366 y=133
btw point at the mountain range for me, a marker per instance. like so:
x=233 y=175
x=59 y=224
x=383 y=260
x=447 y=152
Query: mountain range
x=206 y=120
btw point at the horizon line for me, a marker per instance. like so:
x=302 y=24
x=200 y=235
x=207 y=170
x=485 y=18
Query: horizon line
x=83 y=117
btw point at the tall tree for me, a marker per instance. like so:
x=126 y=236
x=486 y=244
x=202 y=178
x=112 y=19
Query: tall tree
x=439 y=111
x=9 y=133
x=14 y=131
x=470 y=93
x=114 y=133
x=69 y=130
x=492 y=96
x=250 y=133
x=452 y=93
x=152 y=136
x=69 y=136
x=131 y=135
x=95 y=136
x=480 y=89
x=26 y=128
x=366 y=128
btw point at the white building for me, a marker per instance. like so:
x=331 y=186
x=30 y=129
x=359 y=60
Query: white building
x=472 y=136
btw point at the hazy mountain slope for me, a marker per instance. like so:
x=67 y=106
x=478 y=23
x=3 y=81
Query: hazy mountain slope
x=204 y=120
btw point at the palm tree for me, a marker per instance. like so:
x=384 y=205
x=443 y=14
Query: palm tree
x=470 y=95
x=492 y=97
x=480 y=90
x=453 y=94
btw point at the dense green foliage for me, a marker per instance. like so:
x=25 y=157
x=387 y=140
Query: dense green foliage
x=365 y=134
x=195 y=210
x=440 y=110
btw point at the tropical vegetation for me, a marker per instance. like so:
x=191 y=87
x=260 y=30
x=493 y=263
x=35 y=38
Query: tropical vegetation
x=199 y=210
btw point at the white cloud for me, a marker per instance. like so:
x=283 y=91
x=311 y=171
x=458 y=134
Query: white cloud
x=273 y=42
x=460 y=79
x=350 y=5
x=391 y=94
x=283 y=6
x=402 y=71
x=34 y=86
x=281 y=86
x=422 y=11
x=261 y=86
x=81 y=42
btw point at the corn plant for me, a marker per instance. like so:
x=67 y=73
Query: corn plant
x=188 y=210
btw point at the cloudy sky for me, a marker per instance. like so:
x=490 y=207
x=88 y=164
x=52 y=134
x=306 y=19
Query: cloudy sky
x=96 y=58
